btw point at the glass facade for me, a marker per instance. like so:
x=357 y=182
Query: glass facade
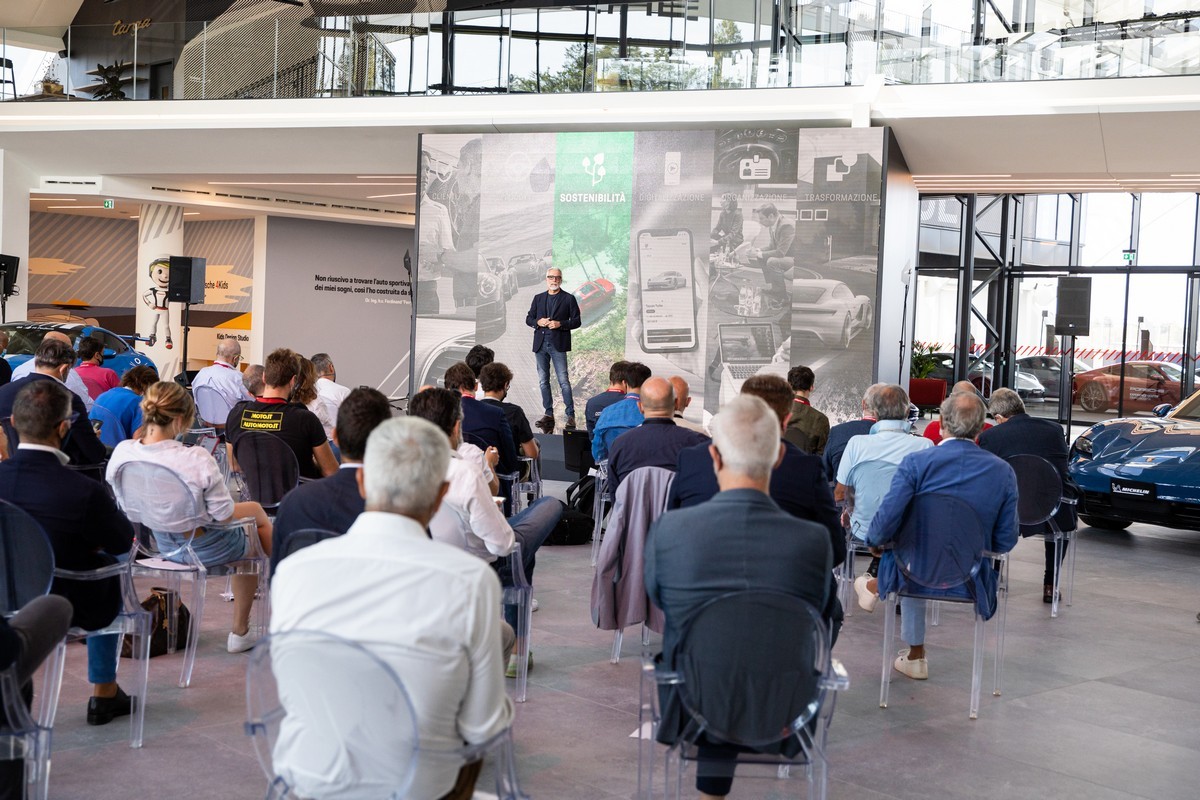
x=1140 y=254
x=261 y=51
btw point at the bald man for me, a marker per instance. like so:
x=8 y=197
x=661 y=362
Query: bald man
x=657 y=441
x=224 y=379
x=933 y=431
x=683 y=398
x=73 y=381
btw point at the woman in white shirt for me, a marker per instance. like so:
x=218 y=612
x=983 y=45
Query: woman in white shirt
x=167 y=411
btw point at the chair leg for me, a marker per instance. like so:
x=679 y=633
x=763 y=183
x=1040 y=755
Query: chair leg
x=140 y=650
x=818 y=776
x=977 y=667
x=199 y=583
x=598 y=526
x=934 y=611
x=524 y=622
x=1072 y=545
x=889 y=629
x=616 y=648
x=847 y=582
x=1001 y=617
x=52 y=675
x=227 y=595
x=37 y=767
x=1058 y=554
x=645 y=635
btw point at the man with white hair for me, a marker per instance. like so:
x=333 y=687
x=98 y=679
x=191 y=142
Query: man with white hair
x=737 y=539
x=385 y=584
x=225 y=381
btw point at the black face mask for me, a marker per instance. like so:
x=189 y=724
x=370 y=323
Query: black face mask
x=62 y=445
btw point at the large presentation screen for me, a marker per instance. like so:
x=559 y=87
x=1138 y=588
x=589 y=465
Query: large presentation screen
x=713 y=255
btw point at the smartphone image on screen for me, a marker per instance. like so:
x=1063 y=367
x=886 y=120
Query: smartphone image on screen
x=666 y=274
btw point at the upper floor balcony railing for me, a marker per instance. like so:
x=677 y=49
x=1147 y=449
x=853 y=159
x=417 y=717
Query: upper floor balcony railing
x=263 y=49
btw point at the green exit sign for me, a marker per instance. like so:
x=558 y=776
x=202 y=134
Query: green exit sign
x=1128 y=255
x=110 y=204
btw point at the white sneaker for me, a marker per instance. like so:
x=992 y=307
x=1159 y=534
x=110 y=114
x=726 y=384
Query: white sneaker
x=866 y=598
x=240 y=644
x=916 y=668
x=533 y=605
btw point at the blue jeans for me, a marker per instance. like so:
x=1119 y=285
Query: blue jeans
x=545 y=354
x=912 y=620
x=530 y=528
x=102 y=658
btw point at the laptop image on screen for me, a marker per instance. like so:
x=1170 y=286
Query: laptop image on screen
x=745 y=349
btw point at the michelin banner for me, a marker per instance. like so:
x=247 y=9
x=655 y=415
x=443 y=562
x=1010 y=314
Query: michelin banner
x=712 y=255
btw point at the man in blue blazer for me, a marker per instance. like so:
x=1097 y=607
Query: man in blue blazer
x=740 y=539
x=86 y=529
x=1016 y=434
x=553 y=314
x=959 y=468
x=333 y=503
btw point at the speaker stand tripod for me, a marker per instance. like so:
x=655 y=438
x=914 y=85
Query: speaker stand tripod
x=187 y=381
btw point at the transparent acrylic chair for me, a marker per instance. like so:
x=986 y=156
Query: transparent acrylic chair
x=601 y=500
x=939 y=550
x=531 y=485
x=769 y=688
x=1039 y=498
x=26 y=572
x=212 y=408
x=317 y=737
x=146 y=492
x=268 y=466
x=297 y=541
x=520 y=595
x=213 y=444
x=133 y=621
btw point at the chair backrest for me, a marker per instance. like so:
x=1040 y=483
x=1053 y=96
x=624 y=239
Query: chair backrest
x=213 y=408
x=298 y=540
x=154 y=496
x=752 y=664
x=577 y=451
x=642 y=498
x=940 y=543
x=112 y=429
x=329 y=718
x=269 y=466
x=26 y=559
x=1039 y=488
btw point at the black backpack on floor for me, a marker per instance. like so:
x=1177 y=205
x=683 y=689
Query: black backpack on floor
x=576 y=524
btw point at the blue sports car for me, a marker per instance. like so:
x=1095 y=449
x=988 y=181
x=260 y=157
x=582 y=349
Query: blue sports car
x=24 y=338
x=1141 y=469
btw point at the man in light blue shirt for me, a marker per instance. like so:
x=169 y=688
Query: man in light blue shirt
x=622 y=416
x=868 y=465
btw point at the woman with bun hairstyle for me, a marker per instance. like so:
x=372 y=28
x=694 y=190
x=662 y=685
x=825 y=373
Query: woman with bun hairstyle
x=167 y=411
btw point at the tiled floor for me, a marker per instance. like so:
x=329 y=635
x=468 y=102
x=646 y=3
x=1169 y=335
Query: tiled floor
x=1102 y=703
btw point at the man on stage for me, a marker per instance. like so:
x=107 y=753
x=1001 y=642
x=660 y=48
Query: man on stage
x=553 y=315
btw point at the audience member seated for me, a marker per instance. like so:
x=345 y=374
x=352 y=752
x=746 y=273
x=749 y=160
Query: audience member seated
x=737 y=539
x=333 y=503
x=484 y=424
x=469 y=517
x=252 y=379
x=119 y=410
x=1018 y=434
x=330 y=393
x=841 y=434
x=293 y=423
x=683 y=399
x=73 y=381
x=5 y=367
x=620 y=416
x=958 y=468
x=808 y=428
x=26 y=639
x=495 y=379
x=657 y=441
x=933 y=431
x=478 y=357
x=167 y=411
x=615 y=393
x=96 y=377
x=384 y=582
x=225 y=381
x=53 y=360
x=867 y=466
x=305 y=393
x=86 y=529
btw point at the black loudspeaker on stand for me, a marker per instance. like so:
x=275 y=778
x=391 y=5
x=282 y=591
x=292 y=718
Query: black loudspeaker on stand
x=8 y=282
x=185 y=284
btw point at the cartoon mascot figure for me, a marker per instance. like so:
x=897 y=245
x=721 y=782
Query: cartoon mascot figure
x=156 y=298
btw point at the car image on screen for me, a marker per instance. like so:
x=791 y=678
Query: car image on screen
x=828 y=310
x=670 y=279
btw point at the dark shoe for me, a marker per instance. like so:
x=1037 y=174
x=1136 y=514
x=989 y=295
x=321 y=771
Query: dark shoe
x=569 y=425
x=1048 y=593
x=545 y=424
x=103 y=710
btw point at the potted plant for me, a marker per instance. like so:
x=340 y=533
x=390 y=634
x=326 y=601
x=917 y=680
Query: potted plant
x=110 y=82
x=921 y=361
x=924 y=392
x=50 y=82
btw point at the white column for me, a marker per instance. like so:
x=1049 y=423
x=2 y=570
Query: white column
x=160 y=236
x=16 y=181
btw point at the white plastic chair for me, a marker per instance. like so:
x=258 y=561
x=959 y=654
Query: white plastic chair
x=211 y=407
x=319 y=737
x=145 y=491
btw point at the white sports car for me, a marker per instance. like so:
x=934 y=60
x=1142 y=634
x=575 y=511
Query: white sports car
x=830 y=311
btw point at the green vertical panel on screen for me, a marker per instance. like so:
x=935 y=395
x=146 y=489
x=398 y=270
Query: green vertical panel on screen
x=593 y=197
